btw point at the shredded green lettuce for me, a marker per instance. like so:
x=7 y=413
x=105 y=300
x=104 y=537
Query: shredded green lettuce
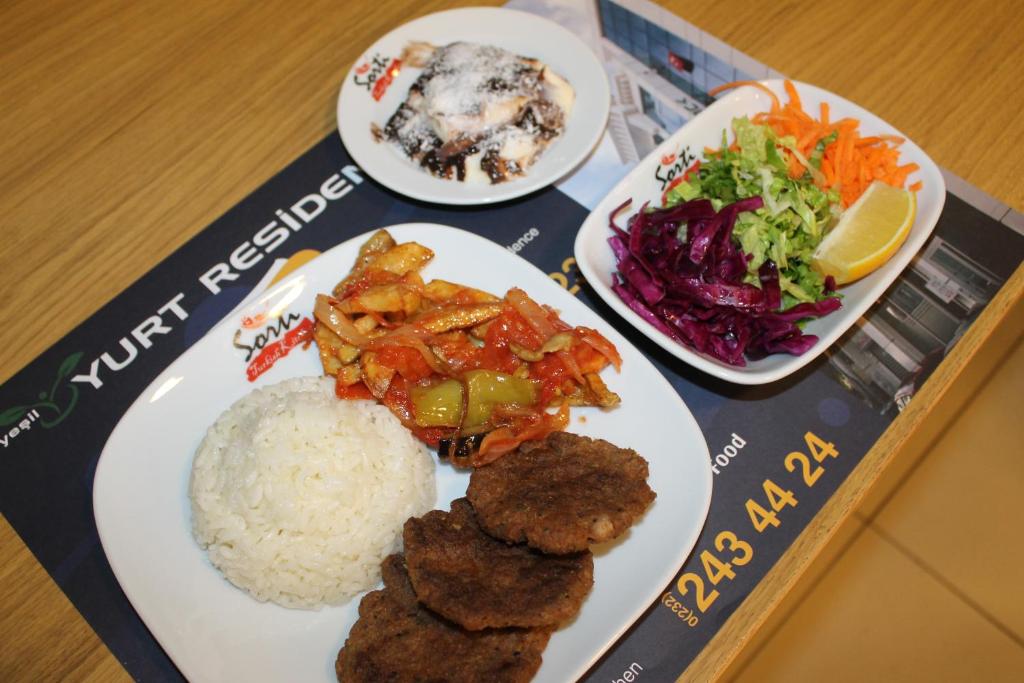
x=796 y=212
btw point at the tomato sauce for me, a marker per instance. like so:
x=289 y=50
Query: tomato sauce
x=353 y=392
x=408 y=362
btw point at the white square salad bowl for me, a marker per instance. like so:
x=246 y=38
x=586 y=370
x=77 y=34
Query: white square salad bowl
x=647 y=181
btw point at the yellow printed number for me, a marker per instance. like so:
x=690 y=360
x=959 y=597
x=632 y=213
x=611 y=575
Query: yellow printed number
x=810 y=476
x=778 y=498
x=819 y=449
x=704 y=600
x=759 y=517
x=568 y=268
x=715 y=569
x=746 y=552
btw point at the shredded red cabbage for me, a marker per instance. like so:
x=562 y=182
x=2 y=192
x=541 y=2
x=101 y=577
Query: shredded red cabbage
x=679 y=269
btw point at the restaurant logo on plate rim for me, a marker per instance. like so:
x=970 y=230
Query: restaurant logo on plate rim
x=376 y=74
x=273 y=342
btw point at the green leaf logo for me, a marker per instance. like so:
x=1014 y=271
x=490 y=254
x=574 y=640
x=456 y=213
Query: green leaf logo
x=12 y=415
x=68 y=366
x=48 y=401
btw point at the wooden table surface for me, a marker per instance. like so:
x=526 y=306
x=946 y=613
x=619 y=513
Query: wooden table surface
x=128 y=126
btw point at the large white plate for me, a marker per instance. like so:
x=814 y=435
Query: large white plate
x=597 y=263
x=215 y=632
x=519 y=32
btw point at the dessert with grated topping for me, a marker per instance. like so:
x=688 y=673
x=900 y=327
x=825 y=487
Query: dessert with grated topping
x=477 y=113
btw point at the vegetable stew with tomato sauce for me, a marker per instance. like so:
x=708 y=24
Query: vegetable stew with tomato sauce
x=468 y=372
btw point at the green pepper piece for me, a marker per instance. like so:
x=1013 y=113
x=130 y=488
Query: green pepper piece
x=487 y=388
x=437 y=405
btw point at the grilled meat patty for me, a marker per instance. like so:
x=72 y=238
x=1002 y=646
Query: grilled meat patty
x=479 y=582
x=397 y=640
x=562 y=493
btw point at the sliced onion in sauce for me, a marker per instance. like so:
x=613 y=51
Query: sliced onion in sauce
x=337 y=322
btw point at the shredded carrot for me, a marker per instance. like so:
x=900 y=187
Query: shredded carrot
x=849 y=163
x=827 y=169
x=794 y=98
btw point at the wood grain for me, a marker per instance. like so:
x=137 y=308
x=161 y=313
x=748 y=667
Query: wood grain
x=130 y=126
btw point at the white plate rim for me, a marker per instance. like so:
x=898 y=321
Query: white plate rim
x=109 y=541
x=583 y=131
x=747 y=100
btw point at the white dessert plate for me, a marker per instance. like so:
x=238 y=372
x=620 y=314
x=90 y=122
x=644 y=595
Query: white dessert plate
x=364 y=101
x=216 y=632
x=647 y=181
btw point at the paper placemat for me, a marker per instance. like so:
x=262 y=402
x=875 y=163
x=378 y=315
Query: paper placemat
x=778 y=451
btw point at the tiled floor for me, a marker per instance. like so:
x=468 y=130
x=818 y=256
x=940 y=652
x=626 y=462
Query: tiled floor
x=925 y=581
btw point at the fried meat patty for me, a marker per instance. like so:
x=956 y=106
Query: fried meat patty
x=562 y=493
x=396 y=639
x=479 y=582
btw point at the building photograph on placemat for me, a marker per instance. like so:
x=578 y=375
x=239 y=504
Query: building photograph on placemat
x=887 y=357
x=911 y=576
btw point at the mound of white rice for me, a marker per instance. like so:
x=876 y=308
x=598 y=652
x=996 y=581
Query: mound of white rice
x=297 y=496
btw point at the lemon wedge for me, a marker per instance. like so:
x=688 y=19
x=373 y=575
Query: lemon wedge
x=868 y=233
